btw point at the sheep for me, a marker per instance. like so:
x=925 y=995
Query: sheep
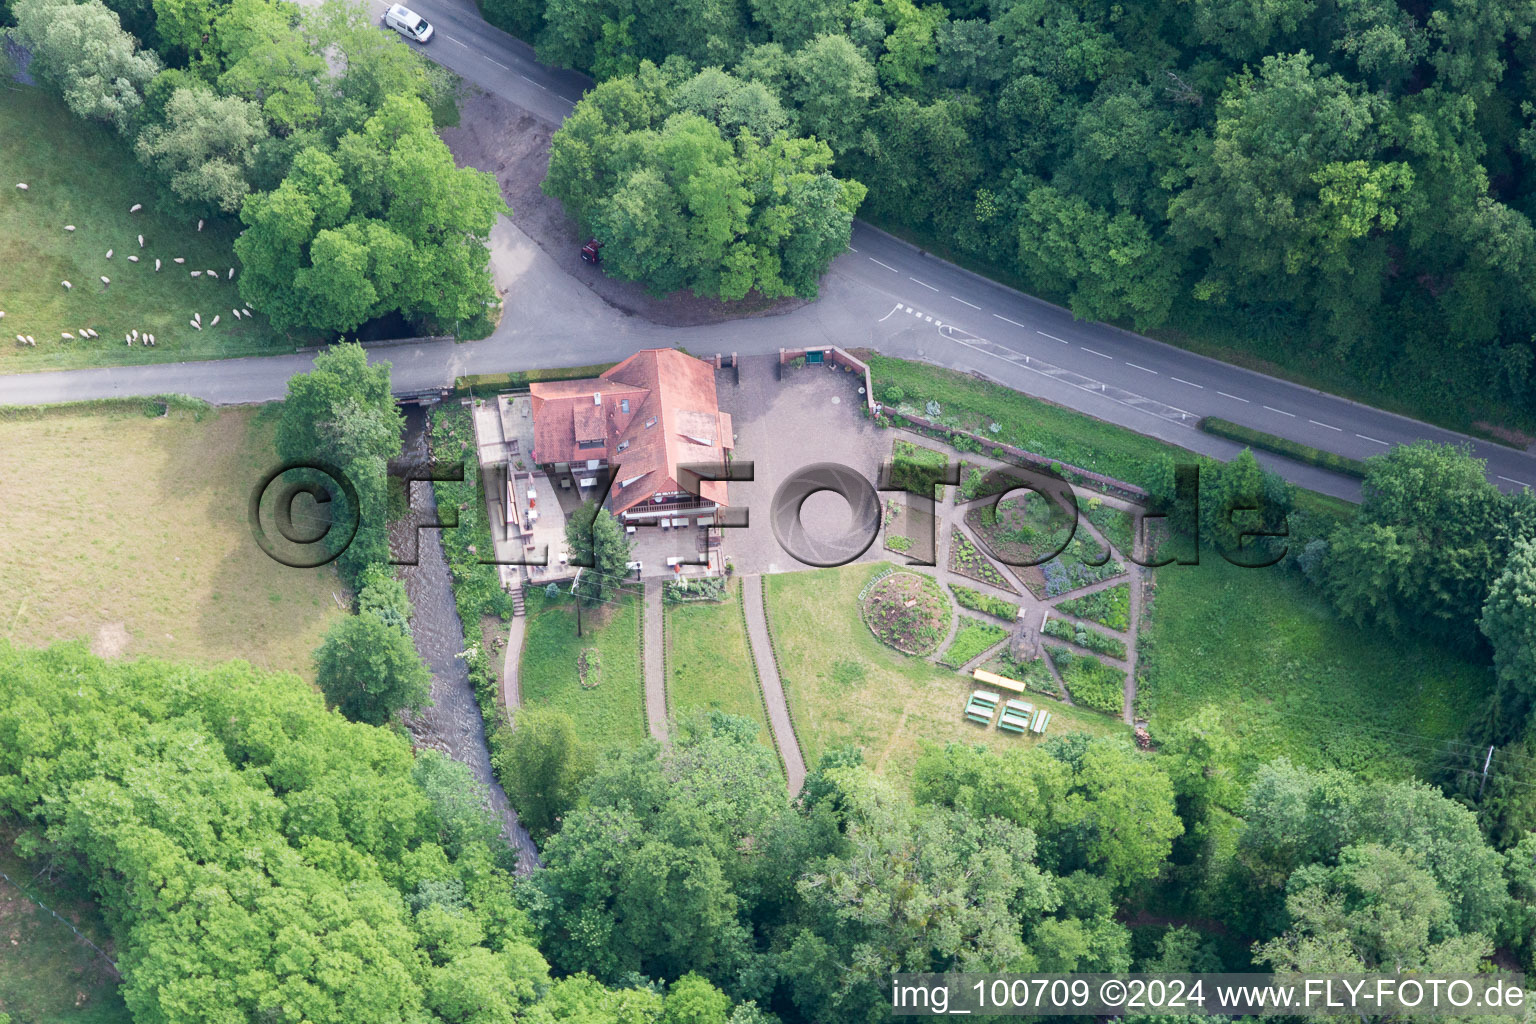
x=179 y=259
x=133 y=335
x=157 y=266
x=66 y=336
x=197 y=273
x=67 y=285
x=141 y=241
x=94 y=334
x=231 y=274
x=136 y=207
x=106 y=280
x=21 y=339
x=151 y=338
x=69 y=227
x=130 y=343
x=133 y=259
x=2 y=314
x=246 y=311
x=31 y=340
x=213 y=273
x=236 y=312
x=199 y=224
x=215 y=322
x=109 y=254
x=22 y=185
x=194 y=323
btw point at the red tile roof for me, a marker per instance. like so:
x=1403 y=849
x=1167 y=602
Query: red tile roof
x=671 y=391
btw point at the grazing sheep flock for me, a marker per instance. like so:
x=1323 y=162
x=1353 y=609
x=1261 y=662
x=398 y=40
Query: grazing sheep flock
x=134 y=335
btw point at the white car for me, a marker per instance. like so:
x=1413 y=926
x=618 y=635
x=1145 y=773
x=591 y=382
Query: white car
x=408 y=23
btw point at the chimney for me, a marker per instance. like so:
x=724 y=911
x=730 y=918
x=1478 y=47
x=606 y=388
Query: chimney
x=597 y=398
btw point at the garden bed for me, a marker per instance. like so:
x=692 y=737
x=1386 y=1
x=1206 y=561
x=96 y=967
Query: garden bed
x=907 y=611
x=1108 y=607
x=967 y=560
x=976 y=601
x=908 y=532
x=974 y=638
x=1083 y=636
x=1091 y=683
x=1034 y=673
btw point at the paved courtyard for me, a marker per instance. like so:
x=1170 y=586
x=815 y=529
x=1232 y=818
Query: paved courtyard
x=812 y=415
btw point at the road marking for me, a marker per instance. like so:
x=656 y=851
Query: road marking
x=909 y=309
x=1234 y=398
x=1319 y=423
x=1007 y=321
x=1191 y=383
x=925 y=284
x=928 y=318
x=1521 y=483
x=887 y=266
x=1053 y=337
x=1143 y=369
x=456 y=42
x=892 y=313
x=852 y=249
x=1091 y=352
x=1282 y=412
x=1371 y=439
x=526 y=78
x=498 y=63
x=964 y=303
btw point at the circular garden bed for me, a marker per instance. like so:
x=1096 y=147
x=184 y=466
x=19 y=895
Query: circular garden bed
x=907 y=611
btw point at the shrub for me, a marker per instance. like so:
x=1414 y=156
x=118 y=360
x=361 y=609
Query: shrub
x=894 y=395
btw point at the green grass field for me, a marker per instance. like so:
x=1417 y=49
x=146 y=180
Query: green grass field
x=131 y=533
x=709 y=663
x=47 y=975
x=844 y=686
x=611 y=714
x=84 y=174
x=1292 y=679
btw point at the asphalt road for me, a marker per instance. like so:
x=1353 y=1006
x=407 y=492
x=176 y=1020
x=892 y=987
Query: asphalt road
x=883 y=293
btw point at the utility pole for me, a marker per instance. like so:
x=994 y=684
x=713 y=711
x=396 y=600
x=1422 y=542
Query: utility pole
x=1486 y=762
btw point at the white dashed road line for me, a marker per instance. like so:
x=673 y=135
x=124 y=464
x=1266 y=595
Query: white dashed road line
x=1007 y=321
x=456 y=42
x=1191 y=383
x=1520 y=483
x=1143 y=369
x=1044 y=335
x=1319 y=423
x=1373 y=440
x=1234 y=398
x=1101 y=355
x=964 y=303
x=925 y=284
x=498 y=63
x=852 y=249
x=1282 y=412
x=887 y=266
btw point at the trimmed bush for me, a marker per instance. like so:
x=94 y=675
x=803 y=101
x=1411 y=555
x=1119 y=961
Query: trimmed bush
x=976 y=601
x=1305 y=453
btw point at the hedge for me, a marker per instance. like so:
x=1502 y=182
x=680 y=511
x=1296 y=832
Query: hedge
x=1304 y=453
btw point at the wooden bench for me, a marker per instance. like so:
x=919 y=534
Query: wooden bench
x=993 y=679
x=1016 y=716
x=980 y=707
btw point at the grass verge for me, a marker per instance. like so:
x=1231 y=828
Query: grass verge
x=82 y=174
x=1291 y=679
x=845 y=687
x=131 y=532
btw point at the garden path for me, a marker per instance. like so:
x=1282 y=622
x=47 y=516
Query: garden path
x=655 y=663
x=761 y=644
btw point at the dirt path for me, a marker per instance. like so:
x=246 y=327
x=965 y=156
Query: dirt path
x=773 y=687
x=511 y=685
x=655 y=663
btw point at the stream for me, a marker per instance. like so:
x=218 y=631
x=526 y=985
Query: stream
x=452 y=723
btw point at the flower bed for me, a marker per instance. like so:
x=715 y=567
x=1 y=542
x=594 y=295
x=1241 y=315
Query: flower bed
x=1074 y=568
x=985 y=603
x=967 y=560
x=974 y=638
x=1091 y=683
x=907 y=611
x=1034 y=673
x=1092 y=639
x=1109 y=607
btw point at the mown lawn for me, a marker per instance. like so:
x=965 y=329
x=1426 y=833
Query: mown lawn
x=709 y=663
x=131 y=533
x=1291 y=679
x=610 y=714
x=845 y=687
x=47 y=975
x=84 y=174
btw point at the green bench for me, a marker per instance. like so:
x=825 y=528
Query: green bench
x=1041 y=721
x=981 y=706
x=1016 y=716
